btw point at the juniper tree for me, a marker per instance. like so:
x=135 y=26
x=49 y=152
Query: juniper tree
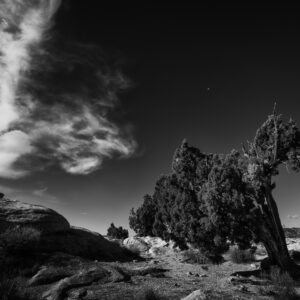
x=141 y=221
x=117 y=232
x=211 y=198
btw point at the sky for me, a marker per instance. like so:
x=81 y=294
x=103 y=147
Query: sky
x=95 y=98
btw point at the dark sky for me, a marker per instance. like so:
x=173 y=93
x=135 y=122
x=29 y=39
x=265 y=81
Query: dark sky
x=210 y=74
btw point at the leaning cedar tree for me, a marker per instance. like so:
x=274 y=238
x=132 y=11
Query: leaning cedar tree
x=237 y=194
x=209 y=199
x=276 y=142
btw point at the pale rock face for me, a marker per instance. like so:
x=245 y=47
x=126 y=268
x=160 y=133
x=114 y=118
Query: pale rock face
x=137 y=243
x=44 y=219
x=155 y=241
x=293 y=244
x=196 y=295
x=153 y=246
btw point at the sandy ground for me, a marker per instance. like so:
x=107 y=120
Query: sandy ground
x=179 y=279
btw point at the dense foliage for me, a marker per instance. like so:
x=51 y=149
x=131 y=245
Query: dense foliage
x=117 y=232
x=210 y=199
x=19 y=241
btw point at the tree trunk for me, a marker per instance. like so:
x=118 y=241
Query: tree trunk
x=273 y=238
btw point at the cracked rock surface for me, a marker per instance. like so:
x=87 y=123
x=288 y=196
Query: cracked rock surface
x=77 y=278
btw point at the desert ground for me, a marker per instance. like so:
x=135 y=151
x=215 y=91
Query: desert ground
x=167 y=273
x=53 y=260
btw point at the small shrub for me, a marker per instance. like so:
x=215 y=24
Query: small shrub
x=10 y=290
x=284 y=285
x=20 y=241
x=19 y=265
x=239 y=256
x=18 y=251
x=201 y=258
x=195 y=257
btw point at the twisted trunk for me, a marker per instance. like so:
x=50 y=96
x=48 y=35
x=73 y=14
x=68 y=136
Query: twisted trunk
x=273 y=238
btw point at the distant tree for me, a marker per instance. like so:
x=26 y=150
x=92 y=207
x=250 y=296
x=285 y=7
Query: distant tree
x=211 y=198
x=117 y=232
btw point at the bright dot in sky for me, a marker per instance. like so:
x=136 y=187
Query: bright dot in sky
x=208 y=89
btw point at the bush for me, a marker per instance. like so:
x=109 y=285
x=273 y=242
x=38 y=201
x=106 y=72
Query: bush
x=117 y=232
x=10 y=290
x=239 y=256
x=195 y=257
x=201 y=258
x=19 y=251
x=284 y=284
x=20 y=241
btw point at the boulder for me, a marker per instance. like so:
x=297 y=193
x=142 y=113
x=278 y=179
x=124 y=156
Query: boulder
x=56 y=234
x=156 y=242
x=44 y=219
x=137 y=244
x=153 y=246
x=85 y=243
x=293 y=244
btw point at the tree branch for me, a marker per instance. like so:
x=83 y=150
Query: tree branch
x=276 y=138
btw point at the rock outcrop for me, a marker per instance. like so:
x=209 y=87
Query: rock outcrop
x=46 y=220
x=136 y=243
x=56 y=234
x=152 y=246
x=85 y=243
x=69 y=277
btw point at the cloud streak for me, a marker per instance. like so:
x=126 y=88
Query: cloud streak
x=57 y=98
x=293 y=216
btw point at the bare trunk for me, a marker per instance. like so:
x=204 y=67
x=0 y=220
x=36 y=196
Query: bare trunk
x=272 y=236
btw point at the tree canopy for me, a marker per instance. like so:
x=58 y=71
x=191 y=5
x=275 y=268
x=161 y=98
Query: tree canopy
x=209 y=199
x=117 y=232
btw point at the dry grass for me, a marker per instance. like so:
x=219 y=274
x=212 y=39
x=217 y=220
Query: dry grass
x=283 y=285
x=198 y=257
x=239 y=256
x=10 y=289
x=20 y=240
x=195 y=257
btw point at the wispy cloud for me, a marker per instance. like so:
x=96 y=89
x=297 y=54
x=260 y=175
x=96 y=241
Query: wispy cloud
x=45 y=196
x=293 y=216
x=55 y=102
x=39 y=195
x=7 y=190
